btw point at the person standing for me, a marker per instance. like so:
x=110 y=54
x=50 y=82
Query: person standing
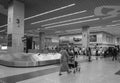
x=89 y=54
x=97 y=49
x=64 y=62
x=114 y=54
x=97 y=54
x=76 y=51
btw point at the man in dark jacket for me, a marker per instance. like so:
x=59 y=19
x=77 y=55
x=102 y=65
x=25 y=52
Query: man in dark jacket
x=114 y=54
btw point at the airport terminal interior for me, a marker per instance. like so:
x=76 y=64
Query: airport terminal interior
x=59 y=41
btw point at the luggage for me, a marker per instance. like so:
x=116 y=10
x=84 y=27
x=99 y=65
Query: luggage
x=73 y=64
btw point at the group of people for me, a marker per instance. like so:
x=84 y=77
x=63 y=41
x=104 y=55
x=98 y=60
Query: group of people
x=112 y=52
x=65 y=59
x=66 y=53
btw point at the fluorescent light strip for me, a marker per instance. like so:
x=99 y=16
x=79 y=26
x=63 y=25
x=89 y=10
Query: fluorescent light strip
x=58 y=32
x=112 y=25
x=3 y=26
x=73 y=30
x=96 y=27
x=59 y=17
x=44 y=13
x=116 y=21
x=2 y=30
x=67 y=20
x=72 y=23
x=49 y=11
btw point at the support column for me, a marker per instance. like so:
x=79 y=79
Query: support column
x=15 y=29
x=85 y=36
x=41 y=41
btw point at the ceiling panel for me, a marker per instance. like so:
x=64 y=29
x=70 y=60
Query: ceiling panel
x=99 y=8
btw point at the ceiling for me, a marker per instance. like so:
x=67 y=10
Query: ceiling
x=100 y=15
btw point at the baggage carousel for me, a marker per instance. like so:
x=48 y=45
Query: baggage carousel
x=29 y=59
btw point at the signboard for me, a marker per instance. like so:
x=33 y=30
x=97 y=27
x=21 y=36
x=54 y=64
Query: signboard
x=77 y=39
x=93 y=38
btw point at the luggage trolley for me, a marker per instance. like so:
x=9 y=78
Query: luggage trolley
x=73 y=64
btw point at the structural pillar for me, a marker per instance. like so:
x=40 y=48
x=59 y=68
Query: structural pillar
x=41 y=41
x=15 y=29
x=85 y=36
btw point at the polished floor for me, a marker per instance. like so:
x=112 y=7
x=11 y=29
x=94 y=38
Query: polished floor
x=97 y=71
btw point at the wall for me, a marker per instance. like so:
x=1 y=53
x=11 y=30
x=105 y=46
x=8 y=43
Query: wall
x=72 y=38
x=102 y=38
x=108 y=38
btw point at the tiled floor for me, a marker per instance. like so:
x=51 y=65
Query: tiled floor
x=97 y=71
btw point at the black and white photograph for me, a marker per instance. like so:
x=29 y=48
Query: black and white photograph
x=59 y=41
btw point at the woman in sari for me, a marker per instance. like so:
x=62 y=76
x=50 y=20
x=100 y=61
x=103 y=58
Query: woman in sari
x=64 y=62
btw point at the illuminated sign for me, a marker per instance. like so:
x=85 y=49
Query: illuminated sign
x=113 y=11
x=77 y=39
x=93 y=38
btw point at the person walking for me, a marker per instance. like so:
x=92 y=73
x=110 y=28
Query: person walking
x=64 y=62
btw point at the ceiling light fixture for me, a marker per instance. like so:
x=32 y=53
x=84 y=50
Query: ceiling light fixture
x=116 y=21
x=72 y=30
x=68 y=20
x=59 y=17
x=43 y=13
x=2 y=30
x=58 y=32
x=112 y=25
x=72 y=23
x=96 y=27
x=49 y=11
x=3 y=26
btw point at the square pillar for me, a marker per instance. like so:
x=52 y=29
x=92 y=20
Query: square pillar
x=85 y=36
x=15 y=29
x=41 y=41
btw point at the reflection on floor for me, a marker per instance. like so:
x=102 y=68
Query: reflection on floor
x=97 y=71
